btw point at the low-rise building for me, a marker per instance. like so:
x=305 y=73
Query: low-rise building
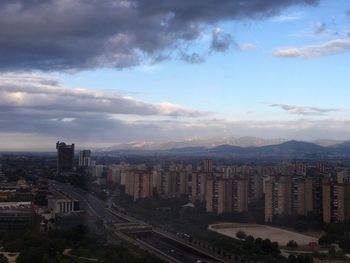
x=61 y=203
x=16 y=216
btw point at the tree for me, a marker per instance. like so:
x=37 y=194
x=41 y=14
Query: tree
x=33 y=254
x=324 y=240
x=292 y=244
x=3 y=259
x=241 y=234
x=301 y=226
x=292 y=259
x=300 y=259
x=332 y=252
x=250 y=239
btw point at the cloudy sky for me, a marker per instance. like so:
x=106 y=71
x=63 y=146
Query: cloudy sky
x=104 y=72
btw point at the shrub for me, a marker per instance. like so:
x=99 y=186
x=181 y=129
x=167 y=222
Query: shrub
x=292 y=244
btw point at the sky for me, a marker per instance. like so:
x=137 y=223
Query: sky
x=99 y=73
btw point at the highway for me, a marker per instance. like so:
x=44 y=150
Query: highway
x=178 y=251
x=168 y=247
x=91 y=204
x=170 y=250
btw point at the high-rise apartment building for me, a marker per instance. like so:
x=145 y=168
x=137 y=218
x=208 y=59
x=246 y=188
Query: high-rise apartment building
x=215 y=195
x=316 y=177
x=208 y=166
x=85 y=158
x=98 y=170
x=239 y=195
x=1 y=172
x=300 y=168
x=199 y=184
x=336 y=201
x=255 y=190
x=277 y=197
x=171 y=183
x=302 y=202
x=342 y=176
x=321 y=167
x=65 y=157
x=114 y=173
x=326 y=202
x=138 y=184
x=226 y=195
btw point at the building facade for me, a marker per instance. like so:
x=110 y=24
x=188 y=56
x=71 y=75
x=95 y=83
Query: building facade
x=138 y=184
x=84 y=158
x=65 y=157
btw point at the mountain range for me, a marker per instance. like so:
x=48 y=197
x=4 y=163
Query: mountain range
x=195 y=142
x=246 y=147
x=247 y=141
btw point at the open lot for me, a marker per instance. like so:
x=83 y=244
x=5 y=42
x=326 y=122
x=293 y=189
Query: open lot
x=274 y=234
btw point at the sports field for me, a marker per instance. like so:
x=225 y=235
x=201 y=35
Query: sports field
x=274 y=234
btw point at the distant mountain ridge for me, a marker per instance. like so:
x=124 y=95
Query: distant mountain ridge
x=287 y=149
x=247 y=141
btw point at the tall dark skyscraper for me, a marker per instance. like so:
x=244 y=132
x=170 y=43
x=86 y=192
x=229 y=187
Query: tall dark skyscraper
x=65 y=157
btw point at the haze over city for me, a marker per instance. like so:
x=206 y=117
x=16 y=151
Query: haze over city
x=174 y=131
x=126 y=71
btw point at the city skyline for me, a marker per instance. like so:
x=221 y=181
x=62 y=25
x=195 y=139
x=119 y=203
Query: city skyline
x=162 y=71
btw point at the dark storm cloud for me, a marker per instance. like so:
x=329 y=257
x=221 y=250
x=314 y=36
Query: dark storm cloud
x=193 y=58
x=82 y=34
x=221 y=41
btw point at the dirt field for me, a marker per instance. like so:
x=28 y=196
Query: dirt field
x=274 y=234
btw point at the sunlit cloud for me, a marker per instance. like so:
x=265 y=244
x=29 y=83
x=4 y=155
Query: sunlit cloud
x=247 y=47
x=329 y=48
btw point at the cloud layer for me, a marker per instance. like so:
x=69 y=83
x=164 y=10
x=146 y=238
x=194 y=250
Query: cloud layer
x=54 y=35
x=95 y=131
x=39 y=106
x=36 y=110
x=33 y=93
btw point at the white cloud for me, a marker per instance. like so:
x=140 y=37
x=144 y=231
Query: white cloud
x=333 y=47
x=247 y=46
x=304 y=110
